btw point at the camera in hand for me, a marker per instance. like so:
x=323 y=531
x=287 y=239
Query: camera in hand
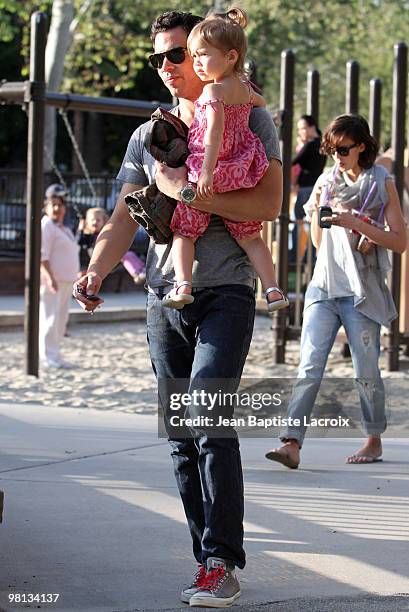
x=325 y=211
x=81 y=291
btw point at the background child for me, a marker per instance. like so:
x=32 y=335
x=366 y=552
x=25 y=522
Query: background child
x=87 y=234
x=224 y=153
x=59 y=267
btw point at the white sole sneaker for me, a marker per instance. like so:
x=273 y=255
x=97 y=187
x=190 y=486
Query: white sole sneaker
x=185 y=598
x=204 y=601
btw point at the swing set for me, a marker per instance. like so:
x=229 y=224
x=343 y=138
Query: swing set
x=33 y=95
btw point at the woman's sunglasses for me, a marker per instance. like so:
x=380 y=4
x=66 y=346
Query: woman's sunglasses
x=343 y=151
x=176 y=56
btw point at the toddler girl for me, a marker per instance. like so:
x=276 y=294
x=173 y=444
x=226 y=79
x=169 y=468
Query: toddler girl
x=224 y=153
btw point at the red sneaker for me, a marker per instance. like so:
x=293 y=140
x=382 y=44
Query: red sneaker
x=196 y=585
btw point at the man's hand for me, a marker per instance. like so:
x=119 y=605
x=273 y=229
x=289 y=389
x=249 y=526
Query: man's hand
x=88 y=285
x=170 y=181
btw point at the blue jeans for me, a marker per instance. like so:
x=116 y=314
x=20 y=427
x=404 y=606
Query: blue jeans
x=321 y=323
x=205 y=340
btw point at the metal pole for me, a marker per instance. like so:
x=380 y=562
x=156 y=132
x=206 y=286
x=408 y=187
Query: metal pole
x=352 y=88
x=35 y=191
x=17 y=93
x=287 y=105
x=313 y=94
x=400 y=71
x=375 y=100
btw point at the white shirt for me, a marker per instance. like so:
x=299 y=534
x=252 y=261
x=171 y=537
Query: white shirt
x=59 y=248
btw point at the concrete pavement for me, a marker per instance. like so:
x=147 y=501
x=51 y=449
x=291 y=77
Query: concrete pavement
x=117 y=307
x=125 y=306
x=92 y=512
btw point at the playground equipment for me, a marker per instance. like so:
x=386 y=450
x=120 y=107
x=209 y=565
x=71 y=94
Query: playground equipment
x=34 y=96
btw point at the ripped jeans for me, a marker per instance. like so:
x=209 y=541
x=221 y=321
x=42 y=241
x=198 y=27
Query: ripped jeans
x=321 y=323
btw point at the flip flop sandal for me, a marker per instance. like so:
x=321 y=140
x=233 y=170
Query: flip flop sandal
x=274 y=455
x=276 y=304
x=362 y=459
x=173 y=299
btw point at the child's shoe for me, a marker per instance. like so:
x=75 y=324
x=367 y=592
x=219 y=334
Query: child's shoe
x=173 y=299
x=277 y=304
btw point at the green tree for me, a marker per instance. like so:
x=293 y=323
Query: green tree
x=108 y=55
x=324 y=36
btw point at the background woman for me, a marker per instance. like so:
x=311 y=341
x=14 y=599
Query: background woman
x=349 y=283
x=308 y=165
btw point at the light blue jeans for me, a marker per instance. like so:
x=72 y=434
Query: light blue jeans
x=321 y=323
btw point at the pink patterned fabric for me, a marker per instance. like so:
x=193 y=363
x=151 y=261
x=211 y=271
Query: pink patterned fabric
x=193 y=223
x=241 y=164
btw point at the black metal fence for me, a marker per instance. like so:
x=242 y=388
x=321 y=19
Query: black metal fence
x=102 y=192
x=33 y=93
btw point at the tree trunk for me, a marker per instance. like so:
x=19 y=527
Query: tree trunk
x=58 y=43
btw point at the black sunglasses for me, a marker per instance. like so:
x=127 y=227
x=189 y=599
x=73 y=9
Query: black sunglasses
x=343 y=151
x=176 y=56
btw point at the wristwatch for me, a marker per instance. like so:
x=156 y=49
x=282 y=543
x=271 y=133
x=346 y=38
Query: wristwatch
x=188 y=193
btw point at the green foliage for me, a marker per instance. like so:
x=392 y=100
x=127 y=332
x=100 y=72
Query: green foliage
x=15 y=28
x=325 y=35
x=111 y=44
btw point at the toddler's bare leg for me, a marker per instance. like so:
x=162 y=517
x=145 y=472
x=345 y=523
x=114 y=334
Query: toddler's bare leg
x=260 y=257
x=183 y=253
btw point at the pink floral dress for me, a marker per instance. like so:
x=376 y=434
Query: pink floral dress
x=241 y=163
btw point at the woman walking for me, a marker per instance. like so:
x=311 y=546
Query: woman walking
x=349 y=283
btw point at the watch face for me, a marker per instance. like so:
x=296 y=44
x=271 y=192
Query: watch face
x=188 y=194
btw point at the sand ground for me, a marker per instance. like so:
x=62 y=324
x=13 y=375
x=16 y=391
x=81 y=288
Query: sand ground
x=110 y=367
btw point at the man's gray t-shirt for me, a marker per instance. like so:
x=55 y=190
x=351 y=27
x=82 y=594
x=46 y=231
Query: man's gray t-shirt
x=218 y=258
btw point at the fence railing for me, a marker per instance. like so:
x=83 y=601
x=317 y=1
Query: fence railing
x=33 y=93
x=13 y=203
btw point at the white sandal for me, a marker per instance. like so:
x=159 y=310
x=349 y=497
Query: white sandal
x=173 y=299
x=276 y=304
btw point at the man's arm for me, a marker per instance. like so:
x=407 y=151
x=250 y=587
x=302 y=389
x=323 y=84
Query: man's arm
x=261 y=203
x=113 y=242
x=115 y=237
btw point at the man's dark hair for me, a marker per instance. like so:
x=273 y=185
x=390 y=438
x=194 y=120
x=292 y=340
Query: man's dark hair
x=174 y=19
